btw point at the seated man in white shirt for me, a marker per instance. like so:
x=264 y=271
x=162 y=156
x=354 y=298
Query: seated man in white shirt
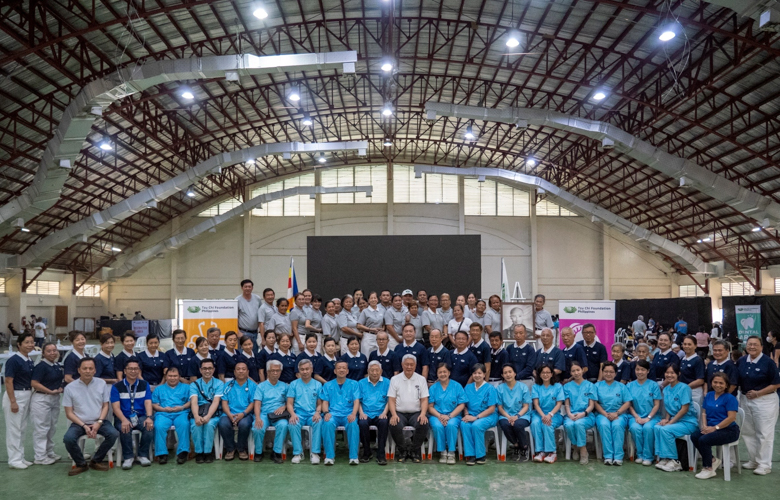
x=407 y=401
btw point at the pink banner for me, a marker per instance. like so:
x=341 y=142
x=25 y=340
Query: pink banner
x=601 y=314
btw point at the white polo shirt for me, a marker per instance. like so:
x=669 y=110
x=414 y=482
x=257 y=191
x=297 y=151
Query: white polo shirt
x=408 y=392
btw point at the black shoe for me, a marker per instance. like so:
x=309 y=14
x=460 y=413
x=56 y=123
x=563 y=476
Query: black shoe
x=522 y=455
x=400 y=455
x=470 y=461
x=181 y=458
x=416 y=457
x=381 y=460
x=365 y=459
x=258 y=457
x=200 y=458
x=277 y=458
x=481 y=461
x=163 y=459
x=208 y=457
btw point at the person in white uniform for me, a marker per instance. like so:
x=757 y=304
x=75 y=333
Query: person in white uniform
x=47 y=381
x=16 y=400
x=370 y=321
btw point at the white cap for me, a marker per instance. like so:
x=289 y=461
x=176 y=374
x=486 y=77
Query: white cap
x=407 y=292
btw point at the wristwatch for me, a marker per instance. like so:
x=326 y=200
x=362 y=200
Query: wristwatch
x=717 y=427
x=100 y=421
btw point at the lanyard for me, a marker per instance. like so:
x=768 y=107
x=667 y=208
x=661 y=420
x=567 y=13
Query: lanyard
x=132 y=395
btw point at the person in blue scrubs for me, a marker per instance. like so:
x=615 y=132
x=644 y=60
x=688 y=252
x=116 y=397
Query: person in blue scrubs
x=285 y=356
x=580 y=395
x=180 y=356
x=171 y=404
x=550 y=354
x=479 y=347
x=645 y=412
x=463 y=360
x=201 y=352
x=572 y=352
x=271 y=402
x=104 y=361
x=719 y=411
x=479 y=416
x=228 y=357
x=238 y=405
x=356 y=360
x=665 y=357
x=722 y=363
x=548 y=397
x=613 y=400
x=622 y=367
x=514 y=411
x=249 y=357
x=153 y=363
x=305 y=411
x=373 y=411
x=595 y=352
x=340 y=406
x=522 y=354
x=71 y=362
x=682 y=420
x=205 y=392
x=446 y=401
x=437 y=354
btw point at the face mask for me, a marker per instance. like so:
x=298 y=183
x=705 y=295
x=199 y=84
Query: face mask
x=770 y=339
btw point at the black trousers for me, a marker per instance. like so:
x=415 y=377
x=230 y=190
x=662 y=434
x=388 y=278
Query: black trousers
x=420 y=432
x=382 y=425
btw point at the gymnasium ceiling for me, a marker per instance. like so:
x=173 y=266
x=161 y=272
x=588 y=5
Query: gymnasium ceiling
x=710 y=95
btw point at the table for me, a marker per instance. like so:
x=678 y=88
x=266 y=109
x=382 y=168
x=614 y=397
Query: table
x=7 y=355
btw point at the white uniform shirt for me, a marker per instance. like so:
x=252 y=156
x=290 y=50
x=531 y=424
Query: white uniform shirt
x=40 y=328
x=408 y=392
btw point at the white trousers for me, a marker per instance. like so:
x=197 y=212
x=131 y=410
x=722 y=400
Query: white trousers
x=343 y=344
x=15 y=425
x=758 y=428
x=368 y=344
x=391 y=343
x=45 y=410
x=319 y=348
x=295 y=349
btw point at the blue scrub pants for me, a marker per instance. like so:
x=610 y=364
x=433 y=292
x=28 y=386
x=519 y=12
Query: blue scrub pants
x=665 y=436
x=577 y=430
x=644 y=438
x=316 y=434
x=280 y=425
x=163 y=422
x=474 y=435
x=203 y=435
x=544 y=435
x=228 y=434
x=329 y=436
x=613 y=435
x=446 y=437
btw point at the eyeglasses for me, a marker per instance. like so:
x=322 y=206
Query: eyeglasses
x=131 y=368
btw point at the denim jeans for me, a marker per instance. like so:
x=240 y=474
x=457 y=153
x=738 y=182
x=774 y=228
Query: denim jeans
x=71 y=440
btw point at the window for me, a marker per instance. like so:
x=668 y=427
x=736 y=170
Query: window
x=88 y=291
x=375 y=176
x=44 y=288
x=430 y=188
x=301 y=205
x=494 y=198
x=2 y=285
x=731 y=288
x=547 y=208
x=691 y=291
x=220 y=208
x=777 y=285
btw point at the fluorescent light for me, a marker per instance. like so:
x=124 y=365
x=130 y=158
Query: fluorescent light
x=387 y=65
x=513 y=40
x=25 y=230
x=322 y=158
x=250 y=161
x=470 y=133
x=260 y=12
x=190 y=192
x=115 y=249
x=757 y=229
x=387 y=142
x=105 y=145
x=530 y=162
x=187 y=94
x=387 y=110
x=698 y=241
x=294 y=94
x=667 y=35
x=706 y=239
x=599 y=96
x=307 y=121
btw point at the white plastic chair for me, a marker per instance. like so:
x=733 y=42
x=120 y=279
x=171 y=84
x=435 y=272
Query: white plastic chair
x=140 y=344
x=691 y=449
x=596 y=442
x=724 y=451
x=82 y=443
x=91 y=350
x=219 y=444
x=495 y=432
x=391 y=443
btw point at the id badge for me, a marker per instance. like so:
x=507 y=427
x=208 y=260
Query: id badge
x=134 y=420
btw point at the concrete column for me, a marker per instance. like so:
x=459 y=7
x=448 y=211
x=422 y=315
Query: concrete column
x=534 y=248
x=390 y=194
x=67 y=295
x=174 y=292
x=461 y=206
x=318 y=205
x=606 y=258
x=247 y=238
x=716 y=298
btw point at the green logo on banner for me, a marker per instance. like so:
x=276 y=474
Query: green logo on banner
x=193 y=309
x=570 y=309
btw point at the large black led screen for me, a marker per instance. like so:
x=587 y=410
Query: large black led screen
x=339 y=264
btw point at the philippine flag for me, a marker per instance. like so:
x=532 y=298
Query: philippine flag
x=292 y=286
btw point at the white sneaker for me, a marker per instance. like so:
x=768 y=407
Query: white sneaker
x=27 y=462
x=45 y=461
x=54 y=456
x=354 y=461
x=661 y=463
x=127 y=464
x=551 y=458
x=17 y=465
x=617 y=462
x=443 y=457
x=297 y=459
x=762 y=471
x=583 y=459
x=451 y=458
x=706 y=473
x=646 y=463
x=751 y=465
x=716 y=463
x=673 y=466
x=329 y=461
x=315 y=458
x=145 y=462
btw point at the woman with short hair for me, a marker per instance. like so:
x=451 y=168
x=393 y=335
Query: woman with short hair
x=692 y=369
x=645 y=412
x=104 y=361
x=347 y=321
x=180 y=355
x=446 y=400
x=16 y=400
x=153 y=364
x=71 y=362
x=356 y=360
x=548 y=397
x=719 y=414
x=613 y=400
x=580 y=401
x=479 y=415
x=128 y=344
x=514 y=412
x=201 y=352
x=681 y=421
x=247 y=353
x=228 y=357
x=285 y=355
x=47 y=382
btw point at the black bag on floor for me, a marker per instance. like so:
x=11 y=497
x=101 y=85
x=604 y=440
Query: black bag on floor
x=682 y=453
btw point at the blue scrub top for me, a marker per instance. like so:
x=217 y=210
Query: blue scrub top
x=21 y=370
x=644 y=396
x=435 y=359
x=462 y=365
x=660 y=363
x=104 y=366
x=304 y=396
x=692 y=369
x=211 y=390
x=512 y=400
x=548 y=396
x=181 y=361
x=340 y=398
x=579 y=396
x=324 y=368
x=727 y=367
x=358 y=365
x=271 y=396
x=373 y=398
x=226 y=362
x=239 y=396
x=524 y=360
x=288 y=365
x=479 y=400
x=445 y=401
x=612 y=396
x=757 y=376
x=49 y=375
x=677 y=396
x=390 y=362
x=717 y=410
x=171 y=397
x=575 y=353
x=152 y=367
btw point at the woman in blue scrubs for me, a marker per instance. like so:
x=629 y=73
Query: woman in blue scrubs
x=480 y=415
x=446 y=400
x=514 y=412
x=645 y=412
x=682 y=420
x=548 y=398
x=719 y=411
x=287 y=358
x=580 y=396
x=692 y=369
x=356 y=360
x=613 y=400
x=153 y=363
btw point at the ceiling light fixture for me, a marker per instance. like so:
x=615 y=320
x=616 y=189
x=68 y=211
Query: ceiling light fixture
x=598 y=96
x=387 y=65
x=307 y=121
x=25 y=230
x=105 y=145
x=706 y=239
x=513 y=40
x=187 y=94
x=260 y=12
x=530 y=162
x=250 y=161
x=470 y=133
x=322 y=158
x=757 y=229
x=294 y=94
x=387 y=142
x=115 y=249
x=190 y=192
x=387 y=110
x=667 y=35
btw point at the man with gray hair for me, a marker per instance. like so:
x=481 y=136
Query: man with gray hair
x=639 y=326
x=305 y=408
x=373 y=412
x=407 y=401
x=216 y=344
x=270 y=403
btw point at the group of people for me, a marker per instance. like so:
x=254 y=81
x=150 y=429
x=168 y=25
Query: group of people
x=228 y=389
